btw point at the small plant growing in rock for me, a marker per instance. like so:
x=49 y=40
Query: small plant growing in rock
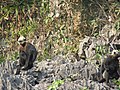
x=2 y=58
x=84 y=88
x=117 y=82
x=56 y=84
x=100 y=50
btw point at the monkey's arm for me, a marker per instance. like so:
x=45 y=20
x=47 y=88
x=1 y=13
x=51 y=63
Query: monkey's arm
x=30 y=59
x=29 y=56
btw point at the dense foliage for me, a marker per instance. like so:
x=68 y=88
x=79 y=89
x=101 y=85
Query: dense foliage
x=54 y=26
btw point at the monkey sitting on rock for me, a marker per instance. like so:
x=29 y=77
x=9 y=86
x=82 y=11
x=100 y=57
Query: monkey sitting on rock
x=109 y=68
x=27 y=54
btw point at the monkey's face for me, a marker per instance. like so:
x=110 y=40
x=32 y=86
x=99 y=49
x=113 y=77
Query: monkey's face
x=22 y=40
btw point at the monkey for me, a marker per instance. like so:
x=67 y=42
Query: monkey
x=27 y=54
x=109 y=68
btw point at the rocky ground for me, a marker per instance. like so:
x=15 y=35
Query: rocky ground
x=72 y=69
x=75 y=73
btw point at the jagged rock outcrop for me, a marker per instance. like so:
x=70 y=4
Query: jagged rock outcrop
x=108 y=41
x=75 y=73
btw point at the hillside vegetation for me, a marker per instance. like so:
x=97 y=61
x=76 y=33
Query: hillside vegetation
x=53 y=26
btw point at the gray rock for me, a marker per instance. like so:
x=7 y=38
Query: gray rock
x=76 y=75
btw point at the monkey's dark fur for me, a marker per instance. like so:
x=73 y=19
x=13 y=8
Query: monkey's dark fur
x=109 y=68
x=27 y=55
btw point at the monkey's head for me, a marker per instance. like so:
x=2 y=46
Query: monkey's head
x=22 y=40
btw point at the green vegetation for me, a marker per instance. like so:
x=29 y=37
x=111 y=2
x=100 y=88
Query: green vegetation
x=116 y=82
x=54 y=29
x=2 y=58
x=55 y=84
x=84 y=88
x=100 y=51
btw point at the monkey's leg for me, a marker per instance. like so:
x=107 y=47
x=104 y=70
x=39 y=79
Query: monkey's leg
x=27 y=66
x=21 y=63
x=30 y=65
x=29 y=61
x=18 y=70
